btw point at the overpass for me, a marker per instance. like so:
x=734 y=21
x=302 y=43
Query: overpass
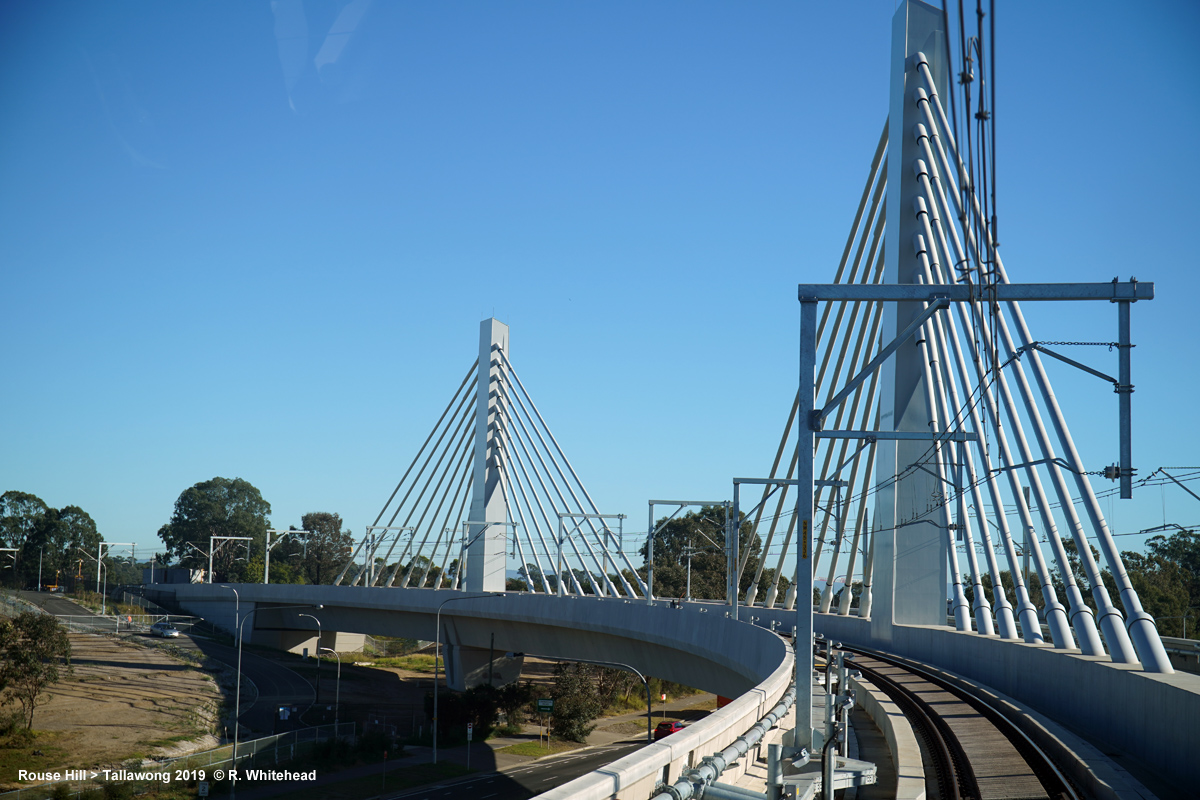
x=694 y=645
x=1150 y=716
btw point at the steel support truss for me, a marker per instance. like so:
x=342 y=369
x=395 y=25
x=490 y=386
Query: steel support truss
x=937 y=297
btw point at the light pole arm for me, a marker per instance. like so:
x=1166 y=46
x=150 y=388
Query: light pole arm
x=437 y=652
x=618 y=664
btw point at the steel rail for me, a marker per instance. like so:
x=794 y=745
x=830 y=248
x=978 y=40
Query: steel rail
x=939 y=741
x=1054 y=781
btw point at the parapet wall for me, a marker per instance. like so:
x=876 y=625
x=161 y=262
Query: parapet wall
x=1154 y=718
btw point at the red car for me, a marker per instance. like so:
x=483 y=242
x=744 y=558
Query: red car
x=666 y=729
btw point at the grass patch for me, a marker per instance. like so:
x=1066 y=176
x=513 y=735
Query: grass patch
x=16 y=753
x=170 y=740
x=540 y=750
x=627 y=728
x=418 y=662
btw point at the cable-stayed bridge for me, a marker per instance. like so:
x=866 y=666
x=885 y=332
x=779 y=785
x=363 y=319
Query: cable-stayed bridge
x=491 y=484
x=925 y=451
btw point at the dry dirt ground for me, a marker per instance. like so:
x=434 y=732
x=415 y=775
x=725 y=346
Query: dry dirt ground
x=122 y=701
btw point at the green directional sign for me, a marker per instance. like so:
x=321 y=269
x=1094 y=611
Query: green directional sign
x=545 y=705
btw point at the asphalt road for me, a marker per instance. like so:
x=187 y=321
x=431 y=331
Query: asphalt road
x=525 y=781
x=276 y=684
x=56 y=604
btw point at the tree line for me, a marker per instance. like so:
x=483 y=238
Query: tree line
x=63 y=542
x=1165 y=575
x=234 y=507
x=1166 y=578
x=37 y=534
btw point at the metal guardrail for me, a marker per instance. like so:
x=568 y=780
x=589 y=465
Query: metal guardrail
x=263 y=752
x=1190 y=647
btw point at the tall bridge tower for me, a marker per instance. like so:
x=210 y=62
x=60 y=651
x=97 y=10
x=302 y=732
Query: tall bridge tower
x=914 y=592
x=487 y=527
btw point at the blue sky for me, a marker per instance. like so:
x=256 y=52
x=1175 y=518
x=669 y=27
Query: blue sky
x=258 y=244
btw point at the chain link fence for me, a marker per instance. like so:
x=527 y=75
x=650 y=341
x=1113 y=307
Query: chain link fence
x=125 y=623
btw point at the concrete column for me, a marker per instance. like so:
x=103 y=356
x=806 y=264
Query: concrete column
x=486 y=551
x=911 y=565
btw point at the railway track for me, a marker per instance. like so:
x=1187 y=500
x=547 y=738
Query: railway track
x=976 y=752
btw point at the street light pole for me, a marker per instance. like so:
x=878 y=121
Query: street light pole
x=104 y=594
x=319 y=638
x=337 y=694
x=237 y=603
x=437 y=650
x=237 y=708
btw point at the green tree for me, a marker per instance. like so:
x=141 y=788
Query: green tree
x=513 y=697
x=1183 y=549
x=701 y=535
x=218 y=507
x=35 y=647
x=576 y=702
x=533 y=577
x=477 y=705
x=329 y=546
x=44 y=535
x=21 y=514
x=76 y=529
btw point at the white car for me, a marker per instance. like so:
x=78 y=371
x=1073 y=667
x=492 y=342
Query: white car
x=164 y=629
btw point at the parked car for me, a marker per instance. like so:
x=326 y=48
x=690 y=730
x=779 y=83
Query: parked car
x=666 y=729
x=164 y=629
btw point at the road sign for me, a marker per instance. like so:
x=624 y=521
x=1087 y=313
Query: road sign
x=470 y=730
x=204 y=788
x=664 y=697
x=545 y=705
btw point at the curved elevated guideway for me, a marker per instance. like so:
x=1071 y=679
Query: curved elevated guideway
x=698 y=647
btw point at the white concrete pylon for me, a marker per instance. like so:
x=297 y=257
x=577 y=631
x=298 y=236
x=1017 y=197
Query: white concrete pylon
x=914 y=592
x=487 y=529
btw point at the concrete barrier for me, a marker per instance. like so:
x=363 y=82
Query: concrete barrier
x=1151 y=717
x=902 y=743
